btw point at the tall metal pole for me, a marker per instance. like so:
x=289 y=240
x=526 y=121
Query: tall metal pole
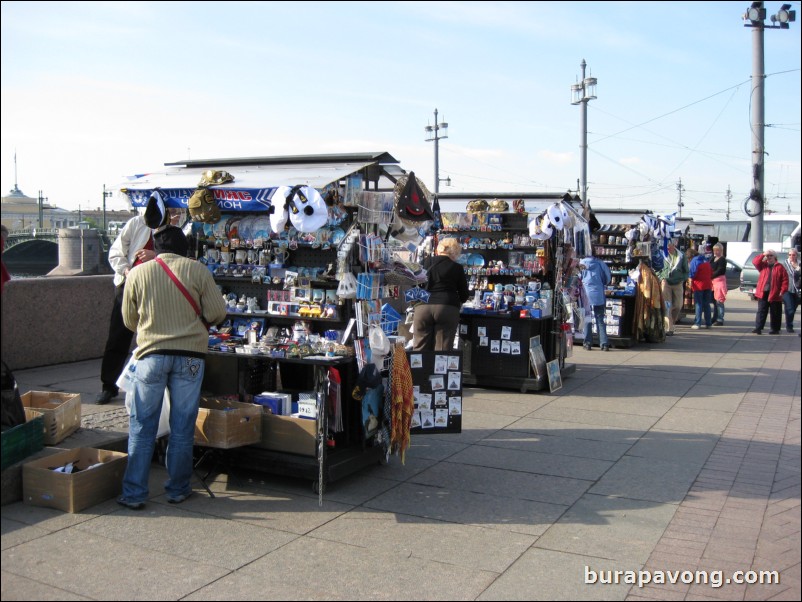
x=581 y=94
x=755 y=15
x=105 y=196
x=583 y=146
x=434 y=136
x=758 y=123
x=436 y=157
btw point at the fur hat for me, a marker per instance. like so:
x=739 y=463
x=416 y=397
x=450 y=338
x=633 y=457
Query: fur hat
x=155 y=211
x=170 y=240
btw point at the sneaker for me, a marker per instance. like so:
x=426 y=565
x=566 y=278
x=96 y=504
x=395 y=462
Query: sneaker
x=129 y=504
x=707 y=326
x=180 y=498
x=587 y=346
x=695 y=327
x=789 y=329
x=605 y=348
x=669 y=333
x=105 y=397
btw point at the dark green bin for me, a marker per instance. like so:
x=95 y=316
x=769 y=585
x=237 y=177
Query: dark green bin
x=23 y=440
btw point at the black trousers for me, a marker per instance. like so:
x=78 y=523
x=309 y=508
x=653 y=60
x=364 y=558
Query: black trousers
x=434 y=327
x=766 y=309
x=118 y=345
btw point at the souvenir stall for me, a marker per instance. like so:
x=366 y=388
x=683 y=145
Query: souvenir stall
x=519 y=253
x=632 y=244
x=294 y=248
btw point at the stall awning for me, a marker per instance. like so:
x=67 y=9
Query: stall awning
x=254 y=181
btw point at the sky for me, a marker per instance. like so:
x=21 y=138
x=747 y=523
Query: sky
x=93 y=92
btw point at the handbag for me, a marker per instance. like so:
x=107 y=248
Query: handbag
x=183 y=289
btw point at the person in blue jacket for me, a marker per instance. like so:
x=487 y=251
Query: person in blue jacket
x=595 y=276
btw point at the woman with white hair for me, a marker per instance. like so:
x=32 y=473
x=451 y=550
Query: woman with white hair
x=719 y=264
x=435 y=322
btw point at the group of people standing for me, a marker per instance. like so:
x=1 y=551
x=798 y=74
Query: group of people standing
x=778 y=287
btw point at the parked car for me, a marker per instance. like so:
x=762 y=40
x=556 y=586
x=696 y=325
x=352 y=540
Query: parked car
x=733 y=275
x=749 y=273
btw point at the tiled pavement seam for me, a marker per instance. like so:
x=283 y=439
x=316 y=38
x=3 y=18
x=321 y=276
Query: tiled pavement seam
x=743 y=511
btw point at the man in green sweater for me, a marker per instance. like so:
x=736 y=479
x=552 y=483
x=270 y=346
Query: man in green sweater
x=672 y=278
x=172 y=340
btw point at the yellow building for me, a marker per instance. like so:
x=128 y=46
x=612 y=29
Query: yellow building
x=21 y=212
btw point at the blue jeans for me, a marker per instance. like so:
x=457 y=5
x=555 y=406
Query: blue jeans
x=719 y=306
x=790 y=303
x=703 y=300
x=598 y=315
x=183 y=376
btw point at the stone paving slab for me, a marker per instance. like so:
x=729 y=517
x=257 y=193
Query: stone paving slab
x=359 y=574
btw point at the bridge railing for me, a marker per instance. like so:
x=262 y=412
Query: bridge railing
x=16 y=237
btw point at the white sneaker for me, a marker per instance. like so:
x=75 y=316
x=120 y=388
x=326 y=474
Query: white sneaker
x=695 y=327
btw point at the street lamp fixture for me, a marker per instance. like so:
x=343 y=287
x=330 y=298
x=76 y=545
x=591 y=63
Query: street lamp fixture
x=106 y=194
x=433 y=131
x=582 y=93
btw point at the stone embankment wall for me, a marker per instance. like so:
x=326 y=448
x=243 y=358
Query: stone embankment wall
x=54 y=320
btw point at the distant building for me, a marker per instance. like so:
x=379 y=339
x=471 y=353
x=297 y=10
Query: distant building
x=21 y=212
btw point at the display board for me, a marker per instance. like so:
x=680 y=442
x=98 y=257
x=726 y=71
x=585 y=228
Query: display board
x=437 y=390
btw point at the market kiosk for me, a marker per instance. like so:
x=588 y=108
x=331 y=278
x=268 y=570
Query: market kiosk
x=286 y=252
x=523 y=280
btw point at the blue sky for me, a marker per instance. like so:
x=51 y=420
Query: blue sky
x=95 y=91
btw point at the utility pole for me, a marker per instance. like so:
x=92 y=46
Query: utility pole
x=680 y=190
x=106 y=194
x=755 y=16
x=434 y=136
x=729 y=198
x=582 y=93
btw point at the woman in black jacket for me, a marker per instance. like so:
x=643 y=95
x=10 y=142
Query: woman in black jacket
x=435 y=323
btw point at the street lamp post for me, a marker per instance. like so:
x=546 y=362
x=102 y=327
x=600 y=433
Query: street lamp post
x=106 y=194
x=581 y=93
x=754 y=16
x=436 y=137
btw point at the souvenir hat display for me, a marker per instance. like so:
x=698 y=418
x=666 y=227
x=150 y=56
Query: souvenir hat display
x=498 y=206
x=307 y=209
x=215 y=177
x=279 y=215
x=476 y=206
x=412 y=199
x=155 y=212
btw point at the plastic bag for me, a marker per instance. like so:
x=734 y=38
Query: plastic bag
x=126 y=383
x=379 y=342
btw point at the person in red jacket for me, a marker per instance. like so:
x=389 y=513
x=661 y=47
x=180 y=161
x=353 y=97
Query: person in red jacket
x=772 y=284
x=701 y=274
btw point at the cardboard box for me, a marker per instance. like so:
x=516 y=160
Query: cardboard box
x=61 y=413
x=22 y=440
x=289 y=434
x=225 y=424
x=42 y=486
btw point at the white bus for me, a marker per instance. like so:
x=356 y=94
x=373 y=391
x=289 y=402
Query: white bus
x=778 y=231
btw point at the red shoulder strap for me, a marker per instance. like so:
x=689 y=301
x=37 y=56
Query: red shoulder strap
x=182 y=288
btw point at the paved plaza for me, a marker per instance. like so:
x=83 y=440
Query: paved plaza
x=674 y=463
